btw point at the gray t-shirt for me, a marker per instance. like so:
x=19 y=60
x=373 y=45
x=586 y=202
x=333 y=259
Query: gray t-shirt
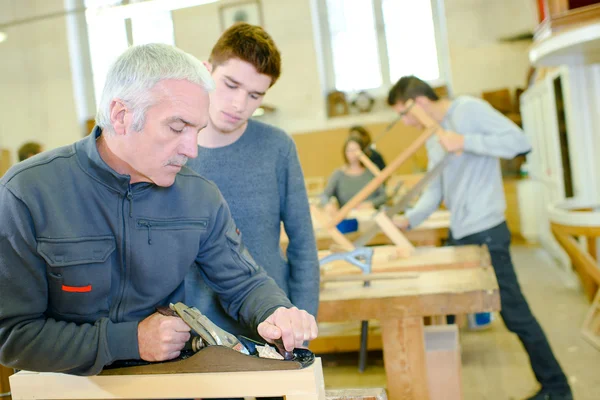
x=344 y=187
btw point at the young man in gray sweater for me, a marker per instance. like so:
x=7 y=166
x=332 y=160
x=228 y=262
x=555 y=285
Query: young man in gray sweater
x=256 y=167
x=471 y=188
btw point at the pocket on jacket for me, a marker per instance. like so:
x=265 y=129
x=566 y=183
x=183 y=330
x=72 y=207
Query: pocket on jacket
x=79 y=273
x=239 y=250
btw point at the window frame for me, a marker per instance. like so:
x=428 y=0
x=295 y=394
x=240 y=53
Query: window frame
x=439 y=23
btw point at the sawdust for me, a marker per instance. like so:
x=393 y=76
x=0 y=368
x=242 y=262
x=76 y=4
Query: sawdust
x=267 y=351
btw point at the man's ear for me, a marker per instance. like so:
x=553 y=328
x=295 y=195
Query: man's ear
x=208 y=66
x=118 y=110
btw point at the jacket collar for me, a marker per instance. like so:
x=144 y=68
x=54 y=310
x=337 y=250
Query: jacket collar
x=91 y=162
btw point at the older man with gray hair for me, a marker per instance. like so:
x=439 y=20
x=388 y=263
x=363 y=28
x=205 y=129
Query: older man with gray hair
x=95 y=235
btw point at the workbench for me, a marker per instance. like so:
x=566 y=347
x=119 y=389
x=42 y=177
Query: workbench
x=401 y=301
x=302 y=384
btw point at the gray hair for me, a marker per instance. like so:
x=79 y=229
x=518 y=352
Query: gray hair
x=136 y=71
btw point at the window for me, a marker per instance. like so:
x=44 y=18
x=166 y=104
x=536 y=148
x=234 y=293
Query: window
x=106 y=44
x=370 y=44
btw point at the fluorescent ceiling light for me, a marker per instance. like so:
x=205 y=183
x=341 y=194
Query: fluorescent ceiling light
x=3 y=37
x=144 y=7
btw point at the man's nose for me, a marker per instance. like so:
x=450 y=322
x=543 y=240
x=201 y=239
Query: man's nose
x=240 y=100
x=189 y=147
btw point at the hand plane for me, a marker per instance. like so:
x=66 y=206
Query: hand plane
x=212 y=335
x=212 y=349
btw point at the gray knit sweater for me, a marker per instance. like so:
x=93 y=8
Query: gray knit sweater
x=344 y=187
x=262 y=181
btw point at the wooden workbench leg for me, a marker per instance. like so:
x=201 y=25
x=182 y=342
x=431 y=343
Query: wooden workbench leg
x=404 y=358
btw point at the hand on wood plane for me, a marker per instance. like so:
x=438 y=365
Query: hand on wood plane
x=290 y=325
x=181 y=339
x=162 y=337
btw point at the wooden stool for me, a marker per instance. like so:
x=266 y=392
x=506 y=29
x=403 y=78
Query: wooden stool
x=302 y=384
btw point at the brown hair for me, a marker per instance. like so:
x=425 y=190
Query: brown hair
x=29 y=149
x=356 y=140
x=363 y=135
x=410 y=87
x=249 y=43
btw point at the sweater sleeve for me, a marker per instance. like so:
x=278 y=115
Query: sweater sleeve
x=302 y=255
x=492 y=134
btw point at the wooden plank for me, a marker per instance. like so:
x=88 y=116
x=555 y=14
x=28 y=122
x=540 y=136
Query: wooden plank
x=305 y=384
x=337 y=236
x=446 y=292
x=369 y=277
x=404 y=247
x=356 y=394
x=423 y=259
x=403 y=352
x=370 y=165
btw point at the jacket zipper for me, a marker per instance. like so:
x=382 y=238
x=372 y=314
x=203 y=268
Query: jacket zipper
x=130 y=198
x=122 y=284
x=149 y=224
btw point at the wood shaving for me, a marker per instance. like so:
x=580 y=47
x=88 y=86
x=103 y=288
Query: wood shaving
x=267 y=351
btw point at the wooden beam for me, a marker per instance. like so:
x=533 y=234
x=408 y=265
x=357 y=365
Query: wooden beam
x=338 y=237
x=404 y=247
x=405 y=366
x=305 y=384
x=584 y=264
x=370 y=165
x=369 y=277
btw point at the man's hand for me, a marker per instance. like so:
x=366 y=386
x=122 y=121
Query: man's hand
x=161 y=338
x=292 y=325
x=402 y=222
x=452 y=141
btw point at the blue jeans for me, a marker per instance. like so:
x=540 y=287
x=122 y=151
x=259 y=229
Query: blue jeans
x=515 y=311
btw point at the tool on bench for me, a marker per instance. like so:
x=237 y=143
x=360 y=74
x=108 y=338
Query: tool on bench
x=361 y=257
x=212 y=335
x=212 y=349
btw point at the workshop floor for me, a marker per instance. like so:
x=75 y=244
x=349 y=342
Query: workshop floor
x=495 y=366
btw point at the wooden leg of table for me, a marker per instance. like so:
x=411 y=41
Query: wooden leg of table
x=404 y=358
